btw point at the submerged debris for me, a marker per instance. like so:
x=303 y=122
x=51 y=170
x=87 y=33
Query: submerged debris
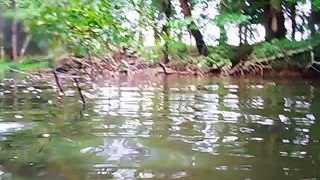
x=45 y=135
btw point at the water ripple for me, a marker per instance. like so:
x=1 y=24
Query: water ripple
x=168 y=130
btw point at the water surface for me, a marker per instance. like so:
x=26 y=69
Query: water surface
x=167 y=128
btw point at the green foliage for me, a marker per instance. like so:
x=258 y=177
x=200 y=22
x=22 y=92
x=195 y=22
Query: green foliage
x=215 y=61
x=151 y=54
x=180 y=23
x=27 y=64
x=275 y=47
x=232 y=18
x=289 y=54
x=81 y=25
x=267 y=49
x=219 y=57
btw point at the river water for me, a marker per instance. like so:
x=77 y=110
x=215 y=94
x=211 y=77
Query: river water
x=162 y=128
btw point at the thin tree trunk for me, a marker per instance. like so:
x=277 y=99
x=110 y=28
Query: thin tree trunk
x=201 y=45
x=167 y=8
x=141 y=37
x=312 y=24
x=14 y=34
x=2 y=54
x=240 y=26
x=14 y=40
x=156 y=35
x=156 y=31
x=312 y=20
x=223 y=36
x=274 y=20
x=25 y=45
x=240 y=34
x=165 y=50
x=245 y=34
x=292 y=8
x=180 y=36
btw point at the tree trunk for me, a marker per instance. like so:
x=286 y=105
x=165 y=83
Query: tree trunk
x=2 y=54
x=314 y=19
x=223 y=36
x=243 y=27
x=14 y=27
x=167 y=9
x=274 y=20
x=156 y=30
x=240 y=34
x=246 y=34
x=156 y=35
x=292 y=8
x=141 y=37
x=25 y=45
x=165 y=50
x=312 y=23
x=202 y=47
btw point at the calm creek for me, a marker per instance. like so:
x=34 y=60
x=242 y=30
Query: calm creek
x=165 y=127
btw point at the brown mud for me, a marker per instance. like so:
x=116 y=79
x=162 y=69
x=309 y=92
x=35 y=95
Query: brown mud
x=90 y=71
x=127 y=64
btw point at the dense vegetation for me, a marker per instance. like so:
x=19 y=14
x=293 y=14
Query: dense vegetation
x=233 y=36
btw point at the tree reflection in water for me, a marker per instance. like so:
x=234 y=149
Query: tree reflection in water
x=166 y=128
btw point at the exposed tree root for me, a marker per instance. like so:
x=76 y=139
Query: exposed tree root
x=251 y=67
x=171 y=71
x=260 y=66
x=98 y=68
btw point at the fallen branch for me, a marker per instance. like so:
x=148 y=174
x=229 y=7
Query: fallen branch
x=317 y=70
x=79 y=90
x=163 y=67
x=57 y=81
x=21 y=72
x=258 y=66
x=287 y=54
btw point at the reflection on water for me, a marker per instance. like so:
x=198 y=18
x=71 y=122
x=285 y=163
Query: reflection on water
x=166 y=128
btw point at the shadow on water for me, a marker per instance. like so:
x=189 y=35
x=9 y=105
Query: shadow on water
x=167 y=127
